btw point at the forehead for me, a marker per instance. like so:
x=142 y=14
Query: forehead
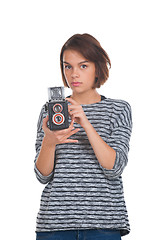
x=73 y=56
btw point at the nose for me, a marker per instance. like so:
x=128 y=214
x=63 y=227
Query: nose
x=75 y=73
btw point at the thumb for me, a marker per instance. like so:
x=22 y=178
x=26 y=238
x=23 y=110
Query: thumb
x=45 y=120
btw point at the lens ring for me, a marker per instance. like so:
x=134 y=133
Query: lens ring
x=57 y=108
x=60 y=116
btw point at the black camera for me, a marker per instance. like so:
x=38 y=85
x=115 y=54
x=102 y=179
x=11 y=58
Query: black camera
x=57 y=108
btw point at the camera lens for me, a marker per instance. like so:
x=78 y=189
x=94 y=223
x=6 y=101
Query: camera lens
x=58 y=118
x=57 y=108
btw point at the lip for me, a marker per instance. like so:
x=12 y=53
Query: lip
x=76 y=84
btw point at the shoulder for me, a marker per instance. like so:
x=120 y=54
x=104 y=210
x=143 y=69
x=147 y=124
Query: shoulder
x=43 y=111
x=117 y=104
x=43 y=114
x=120 y=110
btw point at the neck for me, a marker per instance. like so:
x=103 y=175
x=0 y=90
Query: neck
x=87 y=98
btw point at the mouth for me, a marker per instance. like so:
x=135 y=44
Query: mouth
x=76 y=84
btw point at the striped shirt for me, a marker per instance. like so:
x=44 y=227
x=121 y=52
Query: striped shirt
x=80 y=193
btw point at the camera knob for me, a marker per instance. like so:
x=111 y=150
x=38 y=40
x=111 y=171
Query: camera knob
x=46 y=106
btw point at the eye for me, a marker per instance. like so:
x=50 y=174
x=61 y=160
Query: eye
x=67 y=67
x=83 y=66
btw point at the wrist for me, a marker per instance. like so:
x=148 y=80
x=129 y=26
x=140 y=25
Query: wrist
x=87 y=125
x=47 y=144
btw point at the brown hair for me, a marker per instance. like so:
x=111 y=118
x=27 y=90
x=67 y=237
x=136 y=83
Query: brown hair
x=91 y=49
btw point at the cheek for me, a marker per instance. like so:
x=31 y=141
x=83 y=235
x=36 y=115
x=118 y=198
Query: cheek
x=91 y=76
x=67 y=77
x=66 y=74
x=92 y=72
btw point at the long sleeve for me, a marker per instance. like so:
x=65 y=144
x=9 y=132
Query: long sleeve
x=82 y=195
x=40 y=134
x=119 y=141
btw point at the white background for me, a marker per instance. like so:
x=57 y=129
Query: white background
x=32 y=34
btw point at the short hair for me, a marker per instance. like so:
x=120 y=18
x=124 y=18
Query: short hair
x=91 y=49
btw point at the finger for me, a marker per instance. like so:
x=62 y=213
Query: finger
x=72 y=101
x=74 y=131
x=45 y=120
x=71 y=133
x=70 y=141
x=71 y=107
x=72 y=122
x=75 y=113
x=65 y=131
x=71 y=125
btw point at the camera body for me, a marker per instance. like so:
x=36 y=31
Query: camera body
x=57 y=108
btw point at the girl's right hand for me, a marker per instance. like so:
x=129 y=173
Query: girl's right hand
x=52 y=138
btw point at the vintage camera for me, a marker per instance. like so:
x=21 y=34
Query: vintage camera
x=57 y=108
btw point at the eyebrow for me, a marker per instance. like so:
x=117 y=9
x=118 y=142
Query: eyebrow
x=78 y=63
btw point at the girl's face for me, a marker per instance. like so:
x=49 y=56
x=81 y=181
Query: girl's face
x=78 y=71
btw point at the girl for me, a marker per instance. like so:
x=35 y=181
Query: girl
x=82 y=165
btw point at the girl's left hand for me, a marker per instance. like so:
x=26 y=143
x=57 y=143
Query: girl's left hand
x=76 y=112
